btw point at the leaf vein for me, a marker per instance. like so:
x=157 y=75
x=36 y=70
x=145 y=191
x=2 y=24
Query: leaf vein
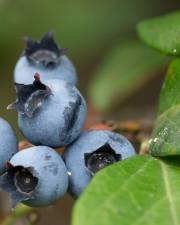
x=169 y=194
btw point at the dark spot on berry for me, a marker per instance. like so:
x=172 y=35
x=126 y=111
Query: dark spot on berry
x=70 y=116
x=56 y=189
x=55 y=171
x=47 y=157
x=102 y=157
x=52 y=168
x=116 y=138
x=72 y=113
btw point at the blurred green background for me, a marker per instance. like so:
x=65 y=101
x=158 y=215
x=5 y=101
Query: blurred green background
x=117 y=74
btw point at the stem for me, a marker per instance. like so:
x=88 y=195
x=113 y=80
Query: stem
x=20 y=211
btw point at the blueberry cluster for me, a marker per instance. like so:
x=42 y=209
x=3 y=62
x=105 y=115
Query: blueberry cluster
x=51 y=113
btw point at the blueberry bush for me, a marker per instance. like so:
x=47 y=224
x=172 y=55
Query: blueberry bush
x=136 y=189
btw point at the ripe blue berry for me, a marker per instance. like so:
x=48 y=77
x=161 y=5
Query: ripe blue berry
x=36 y=176
x=46 y=58
x=50 y=113
x=8 y=143
x=91 y=152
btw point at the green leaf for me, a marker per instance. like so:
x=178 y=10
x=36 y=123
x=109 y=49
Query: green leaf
x=126 y=68
x=162 y=33
x=165 y=139
x=166 y=135
x=170 y=93
x=137 y=191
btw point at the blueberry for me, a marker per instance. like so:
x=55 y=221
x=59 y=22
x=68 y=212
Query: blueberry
x=46 y=58
x=36 y=176
x=8 y=143
x=50 y=113
x=91 y=152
